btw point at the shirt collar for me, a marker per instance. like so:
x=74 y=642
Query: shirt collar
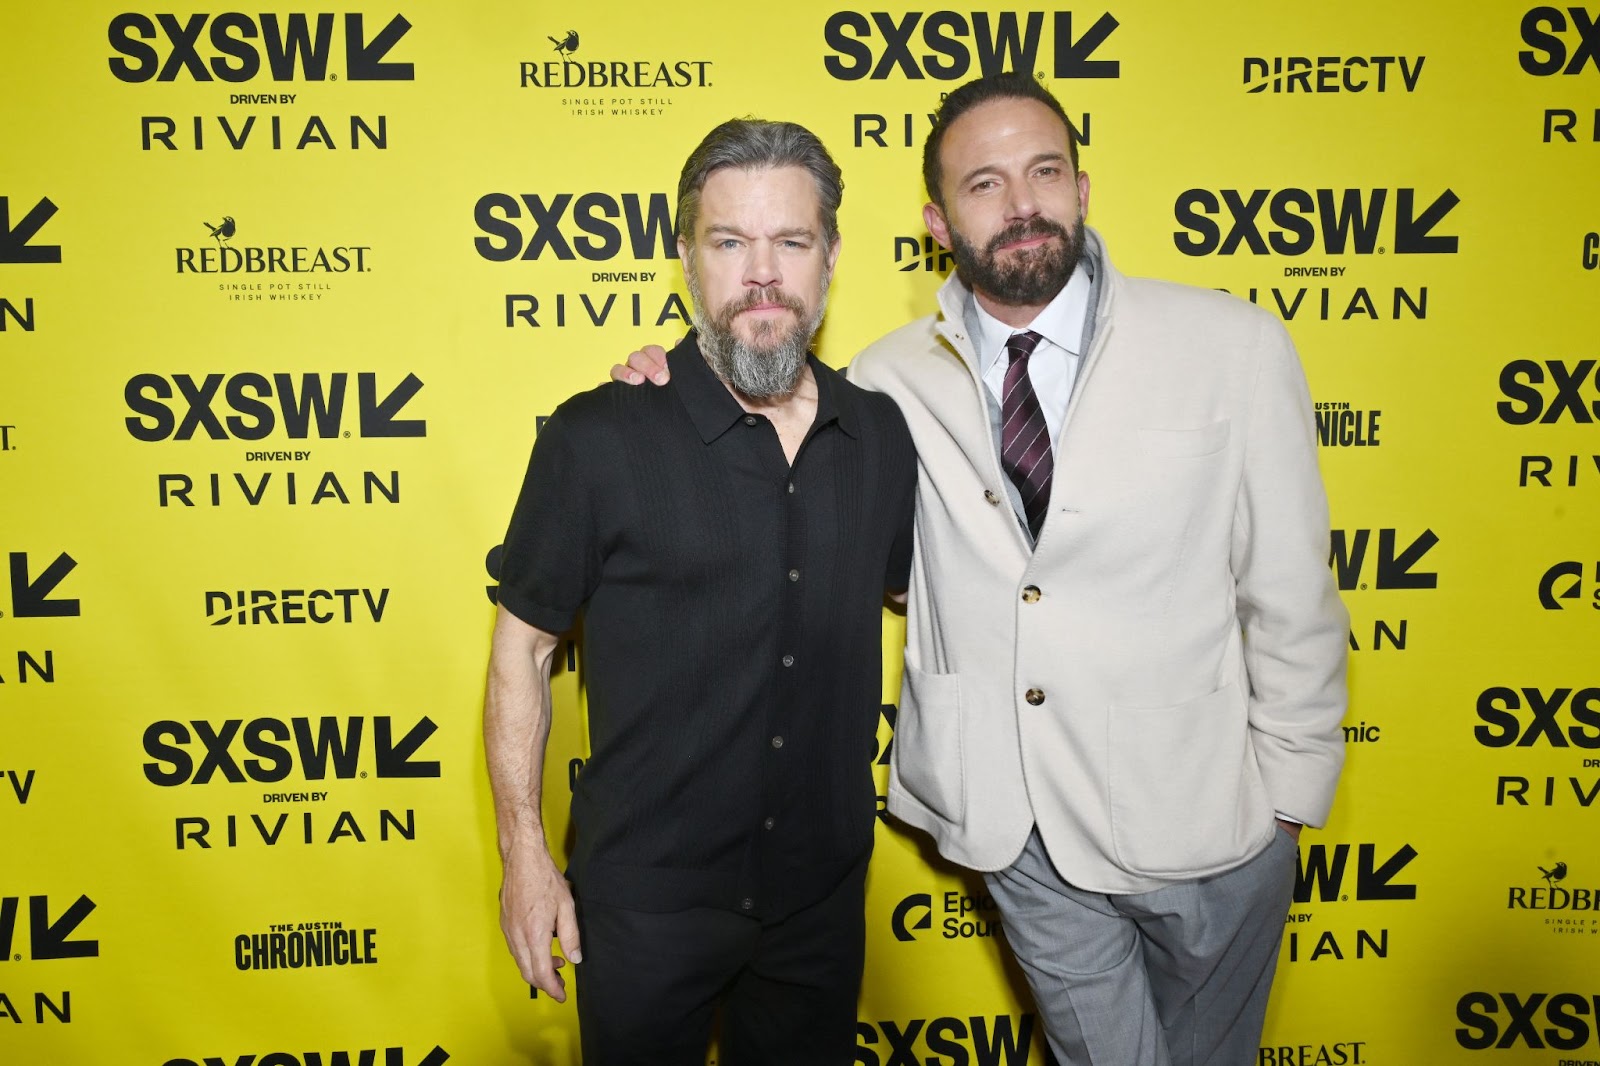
x=713 y=409
x=1061 y=321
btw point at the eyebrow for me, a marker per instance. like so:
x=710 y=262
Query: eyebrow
x=735 y=231
x=1042 y=157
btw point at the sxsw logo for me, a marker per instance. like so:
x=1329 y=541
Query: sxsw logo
x=591 y=226
x=15 y=239
x=1393 y=568
x=978 y=1040
x=48 y=938
x=225 y=47
x=1498 y=709
x=1558 y=46
x=31 y=591
x=1561 y=1021
x=320 y=747
x=946 y=45
x=1564 y=581
x=1576 y=392
x=394 y=1056
x=1302 y=221
x=1321 y=876
x=318 y=399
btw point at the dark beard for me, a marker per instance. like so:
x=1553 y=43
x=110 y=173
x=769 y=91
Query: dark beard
x=1026 y=278
x=771 y=367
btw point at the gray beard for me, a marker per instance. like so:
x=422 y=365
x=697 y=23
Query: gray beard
x=760 y=373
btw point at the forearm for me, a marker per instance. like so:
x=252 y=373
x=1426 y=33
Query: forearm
x=516 y=727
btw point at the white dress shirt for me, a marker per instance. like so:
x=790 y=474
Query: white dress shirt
x=1053 y=366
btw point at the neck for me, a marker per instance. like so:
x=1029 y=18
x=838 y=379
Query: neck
x=1012 y=314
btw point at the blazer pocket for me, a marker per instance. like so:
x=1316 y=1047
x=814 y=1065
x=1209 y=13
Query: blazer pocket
x=1186 y=796
x=928 y=760
x=1185 y=443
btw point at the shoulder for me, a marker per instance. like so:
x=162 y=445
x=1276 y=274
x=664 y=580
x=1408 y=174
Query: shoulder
x=891 y=355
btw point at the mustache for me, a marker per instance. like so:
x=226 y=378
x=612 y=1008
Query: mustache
x=1026 y=229
x=758 y=296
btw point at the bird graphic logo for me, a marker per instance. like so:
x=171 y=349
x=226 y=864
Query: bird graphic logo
x=566 y=45
x=223 y=231
x=1558 y=872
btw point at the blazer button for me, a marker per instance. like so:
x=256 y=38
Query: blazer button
x=989 y=495
x=1034 y=696
x=1030 y=594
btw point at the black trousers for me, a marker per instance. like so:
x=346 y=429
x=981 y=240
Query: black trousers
x=650 y=984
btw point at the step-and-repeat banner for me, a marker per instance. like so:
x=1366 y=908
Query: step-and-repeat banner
x=285 y=292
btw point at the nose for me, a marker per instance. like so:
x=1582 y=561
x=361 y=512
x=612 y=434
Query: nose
x=1021 y=203
x=761 y=267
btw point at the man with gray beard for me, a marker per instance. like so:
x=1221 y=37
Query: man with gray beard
x=728 y=541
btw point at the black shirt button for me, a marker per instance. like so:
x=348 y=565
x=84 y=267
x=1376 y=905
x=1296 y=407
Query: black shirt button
x=769 y=823
x=750 y=420
x=1034 y=696
x=989 y=495
x=794 y=575
x=746 y=904
x=777 y=742
x=788 y=660
x=1030 y=594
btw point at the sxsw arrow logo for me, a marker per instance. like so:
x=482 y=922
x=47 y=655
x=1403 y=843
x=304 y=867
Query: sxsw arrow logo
x=378 y=417
x=14 y=246
x=1395 y=568
x=30 y=597
x=1072 y=56
x=393 y=759
x=47 y=939
x=1322 y=874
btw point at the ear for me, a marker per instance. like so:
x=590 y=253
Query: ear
x=1083 y=192
x=934 y=219
x=833 y=253
x=683 y=251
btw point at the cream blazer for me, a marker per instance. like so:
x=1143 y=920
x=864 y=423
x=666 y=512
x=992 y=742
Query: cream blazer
x=1165 y=670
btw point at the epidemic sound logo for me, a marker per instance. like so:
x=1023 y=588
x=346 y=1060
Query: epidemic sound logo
x=595 y=230
x=1303 y=219
x=1340 y=426
x=1550 y=50
x=963 y=917
x=634 y=73
x=1566 y=1017
x=952 y=42
x=290 y=48
x=320 y=748
x=394 y=1056
x=303 y=945
x=1331 y=74
x=31 y=593
x=48 y=938
x=1526 y=402
x=255 y=607
x=922 y=253
x=1568 y=578
x=315 y=399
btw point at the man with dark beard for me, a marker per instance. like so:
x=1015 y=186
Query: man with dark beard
x=1122 y=692
x=729 y=541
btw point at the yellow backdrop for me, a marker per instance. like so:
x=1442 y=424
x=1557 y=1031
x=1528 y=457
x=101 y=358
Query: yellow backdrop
x=284 y=294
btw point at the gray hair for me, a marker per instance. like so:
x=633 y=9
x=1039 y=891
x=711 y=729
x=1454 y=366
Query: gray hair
x=755 y=144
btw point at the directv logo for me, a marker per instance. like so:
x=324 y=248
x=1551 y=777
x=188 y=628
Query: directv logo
x=256 y=607
x=921 y=253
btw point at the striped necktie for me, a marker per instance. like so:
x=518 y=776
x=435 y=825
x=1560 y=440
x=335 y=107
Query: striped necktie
x=1024 y=436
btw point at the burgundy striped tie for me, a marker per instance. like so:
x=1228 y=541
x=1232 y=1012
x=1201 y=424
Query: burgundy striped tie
x=1024 y=436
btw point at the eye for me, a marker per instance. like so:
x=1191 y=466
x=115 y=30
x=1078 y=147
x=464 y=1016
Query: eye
x=728 y=243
